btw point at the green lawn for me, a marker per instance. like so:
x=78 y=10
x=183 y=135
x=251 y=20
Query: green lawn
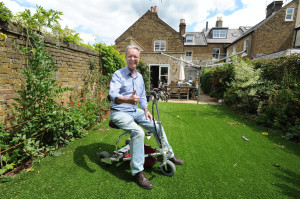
x=218 y=162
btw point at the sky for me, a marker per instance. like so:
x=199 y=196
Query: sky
x=105 y=20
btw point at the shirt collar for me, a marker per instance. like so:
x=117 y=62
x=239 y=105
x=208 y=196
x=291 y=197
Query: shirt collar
x=128 y=72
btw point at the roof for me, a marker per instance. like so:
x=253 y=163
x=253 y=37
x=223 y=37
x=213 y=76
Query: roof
x=278 y=54
x=205 y=37
x=199 y=39
x=141 y=18
x=232 y=34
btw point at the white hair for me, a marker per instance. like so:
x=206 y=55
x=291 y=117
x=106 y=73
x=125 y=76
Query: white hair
x=131 y=47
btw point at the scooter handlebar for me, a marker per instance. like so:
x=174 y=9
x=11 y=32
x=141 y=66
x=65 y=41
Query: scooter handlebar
x=152 y=93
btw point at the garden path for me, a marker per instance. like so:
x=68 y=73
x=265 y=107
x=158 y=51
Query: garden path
x=204 y=99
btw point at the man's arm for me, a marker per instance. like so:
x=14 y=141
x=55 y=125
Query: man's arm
x=133 y=99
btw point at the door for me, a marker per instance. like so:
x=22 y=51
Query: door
x=159 y=74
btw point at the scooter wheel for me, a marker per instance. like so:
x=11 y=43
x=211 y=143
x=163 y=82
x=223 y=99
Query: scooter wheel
x=168 y=169
x=102 y=155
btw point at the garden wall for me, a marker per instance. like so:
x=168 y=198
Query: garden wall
x=73 y=64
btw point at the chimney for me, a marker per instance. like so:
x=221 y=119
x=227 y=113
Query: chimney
x=219 y=22
x=206 y=25
x=273 y=7
x=182 y=26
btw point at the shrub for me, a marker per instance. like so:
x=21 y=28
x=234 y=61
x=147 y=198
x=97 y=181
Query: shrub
x=110 y=58
x=5 y=13
x=144 y=70
x=247 y=89
x=206 y=80
x=215 y=81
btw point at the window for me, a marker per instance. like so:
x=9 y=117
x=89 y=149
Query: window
x=289 y=14
x=216 y=53
x=189 y=39
x=234 y=49
x=160 y=45
x=164 y=71
x=219 y=34
x=188 y=56
x=246 y=45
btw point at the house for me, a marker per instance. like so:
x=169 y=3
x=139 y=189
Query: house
x=277 y=35
x=207 y=46
x=153 y=36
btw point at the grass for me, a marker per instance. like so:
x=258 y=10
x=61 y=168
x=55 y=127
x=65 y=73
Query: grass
x=218 y=163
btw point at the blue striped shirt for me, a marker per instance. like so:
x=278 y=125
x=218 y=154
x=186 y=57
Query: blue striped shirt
x=123 y=84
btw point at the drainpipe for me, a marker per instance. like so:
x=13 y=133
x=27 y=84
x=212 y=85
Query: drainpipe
x=251 y=44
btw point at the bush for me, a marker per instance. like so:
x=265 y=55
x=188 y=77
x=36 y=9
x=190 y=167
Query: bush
x=144 y=70
x=215 y=81
x=5 y=14
x=110 y=58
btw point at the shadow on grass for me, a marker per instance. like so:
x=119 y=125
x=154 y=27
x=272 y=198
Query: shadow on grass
x=290 y=185
x=120 y=170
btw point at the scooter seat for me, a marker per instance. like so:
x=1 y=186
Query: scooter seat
x=114 y=126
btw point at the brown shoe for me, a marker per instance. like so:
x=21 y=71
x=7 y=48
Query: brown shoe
x=142 y=181
x=176 y=161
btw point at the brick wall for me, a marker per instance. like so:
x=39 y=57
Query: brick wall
x=272 y=35
x=240 y=45
x=156 y=58
x=275 y=34
x=73 y=64
x=204 y=53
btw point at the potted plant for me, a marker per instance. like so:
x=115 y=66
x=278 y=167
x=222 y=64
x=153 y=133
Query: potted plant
x=105 y=106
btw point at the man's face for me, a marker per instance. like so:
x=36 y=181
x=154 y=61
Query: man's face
x=132 y=58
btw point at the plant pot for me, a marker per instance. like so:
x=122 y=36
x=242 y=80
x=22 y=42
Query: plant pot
x=106 y=112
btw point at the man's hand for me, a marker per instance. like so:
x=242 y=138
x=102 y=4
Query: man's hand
x=134 y=99
x=148 y=114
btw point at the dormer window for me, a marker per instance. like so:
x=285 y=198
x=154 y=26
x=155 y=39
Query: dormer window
x=160 y=45
x=289 y=14
x=189 y=39
x=219 y=34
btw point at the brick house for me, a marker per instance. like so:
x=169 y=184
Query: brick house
x=209 y=45
x=277 y=35
x=153 y=36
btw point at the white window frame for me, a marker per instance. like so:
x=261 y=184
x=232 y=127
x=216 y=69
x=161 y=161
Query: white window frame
x=160 y=45
x=219 y=34
x=289 y=16
x=227 y=54
x=189 y=58
x=234 y=49
x=190 y=40
x=213 y=55
x=162 y=75
x=246 y=46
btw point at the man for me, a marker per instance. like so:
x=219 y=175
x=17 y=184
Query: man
x=127 y=89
